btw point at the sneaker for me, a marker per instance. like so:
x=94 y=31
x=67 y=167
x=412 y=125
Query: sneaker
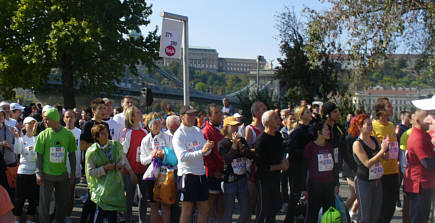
x=28 y=221
x=68 y=219
x=284 y=208
x=398 y=208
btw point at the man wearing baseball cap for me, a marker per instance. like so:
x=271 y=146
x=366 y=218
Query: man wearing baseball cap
x=190 y=146
x=419 y=182
x=52 y=147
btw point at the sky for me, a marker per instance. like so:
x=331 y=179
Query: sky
x=235 y=28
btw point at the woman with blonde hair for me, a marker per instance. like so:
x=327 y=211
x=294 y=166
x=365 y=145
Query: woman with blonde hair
x=298 y=139
x=131 y=140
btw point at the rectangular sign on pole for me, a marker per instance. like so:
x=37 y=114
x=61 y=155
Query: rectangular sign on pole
x=170 y=40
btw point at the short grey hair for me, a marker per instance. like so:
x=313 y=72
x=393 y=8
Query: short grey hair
x=266 y=117
x=283 y=111
x=172 y=118
x=255 y=106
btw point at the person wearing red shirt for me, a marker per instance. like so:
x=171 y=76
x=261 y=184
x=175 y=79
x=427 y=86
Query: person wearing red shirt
x=419 y=182
x=214 y=163
x=131 y=140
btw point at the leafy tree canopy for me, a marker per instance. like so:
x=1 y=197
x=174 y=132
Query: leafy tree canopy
x=87 y=40
x=300 y=79
x=368 y=30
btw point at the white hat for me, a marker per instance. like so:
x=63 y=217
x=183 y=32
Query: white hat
x=3 y=103
x=46 y=108
x=425 y=104
x=28 y=120
x=237 y=115
x=16 y=106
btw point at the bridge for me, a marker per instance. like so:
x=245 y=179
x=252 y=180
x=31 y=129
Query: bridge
x=131 y=85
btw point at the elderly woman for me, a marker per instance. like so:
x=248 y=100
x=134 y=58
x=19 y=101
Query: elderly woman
x=105 y=161
x=235 y=150
x=152 y=147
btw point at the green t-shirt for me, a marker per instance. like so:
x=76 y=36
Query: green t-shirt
x=55 y=146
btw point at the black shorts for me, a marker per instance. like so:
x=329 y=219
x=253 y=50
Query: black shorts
x=193 y=188
x=214 y=185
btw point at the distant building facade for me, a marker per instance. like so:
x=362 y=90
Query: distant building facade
x=208 y=59
x=399 y=97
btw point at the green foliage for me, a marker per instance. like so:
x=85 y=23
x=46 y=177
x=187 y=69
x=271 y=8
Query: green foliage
x=298 y=78
x=400 y=73
x=367 y=31
x=246 y=99
x=86 y=39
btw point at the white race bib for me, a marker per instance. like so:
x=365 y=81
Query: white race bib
x=376 y=171
x=30 y=153
x=57 y=154
x=393 y=150
x=325 y=162
x=336 y=154
x=239 y=166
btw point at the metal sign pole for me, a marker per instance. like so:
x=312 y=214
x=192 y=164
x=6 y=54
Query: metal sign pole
x=186 y=81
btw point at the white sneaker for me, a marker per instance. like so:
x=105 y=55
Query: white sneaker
x=284 y=208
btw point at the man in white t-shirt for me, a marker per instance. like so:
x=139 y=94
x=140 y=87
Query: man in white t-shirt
x=190 y=146
x=9 y=121
x=70 y=118
x=115 y=129
x=126 y=102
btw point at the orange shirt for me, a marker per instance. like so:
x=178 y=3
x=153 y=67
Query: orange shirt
x=5 y=204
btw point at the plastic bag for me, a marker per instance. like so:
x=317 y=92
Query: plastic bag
x=153 y=170
x=164 y=187
x=11 y=174
x=332 y=215
x=170 y=157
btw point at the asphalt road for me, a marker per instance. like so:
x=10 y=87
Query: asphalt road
x=344 y=193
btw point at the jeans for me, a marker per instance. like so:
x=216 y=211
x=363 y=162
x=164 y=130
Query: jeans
x=238 y=189
x=130 y=191
x=419 y=205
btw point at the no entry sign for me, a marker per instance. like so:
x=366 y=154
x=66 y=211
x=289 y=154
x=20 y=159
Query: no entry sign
x=170 y=39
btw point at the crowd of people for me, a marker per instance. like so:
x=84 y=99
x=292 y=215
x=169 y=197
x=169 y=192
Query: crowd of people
x=194 y=166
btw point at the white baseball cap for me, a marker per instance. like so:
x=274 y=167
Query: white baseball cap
x=237 y=115
x=28 y=120
x=16 y=106
x=3 y=103
x=425 y=104
x=46 y=108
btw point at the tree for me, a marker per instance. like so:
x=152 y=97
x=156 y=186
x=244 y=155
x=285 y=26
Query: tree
x=88 y=41
x=298 y=78
x=367 y=31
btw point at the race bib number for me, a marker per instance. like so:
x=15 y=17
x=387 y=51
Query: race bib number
x=336 y=155
x=30 y=153
x=393 y=150
x=193 y=146
x=376 y=171
x=138 y=154
x=325 y=162
x=57 y=154
x=239 y=166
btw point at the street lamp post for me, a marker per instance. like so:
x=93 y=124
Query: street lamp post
x=258 y=73
x=186 y=80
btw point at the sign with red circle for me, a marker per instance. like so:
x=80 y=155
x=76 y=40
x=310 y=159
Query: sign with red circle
x=170 y=51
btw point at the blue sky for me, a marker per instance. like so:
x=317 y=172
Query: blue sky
x=235 y=28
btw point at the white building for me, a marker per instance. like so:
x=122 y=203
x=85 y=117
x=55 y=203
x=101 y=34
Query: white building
x=400 y=98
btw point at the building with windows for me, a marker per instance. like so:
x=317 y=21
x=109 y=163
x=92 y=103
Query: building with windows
x=203 y=58
x=399 y=97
